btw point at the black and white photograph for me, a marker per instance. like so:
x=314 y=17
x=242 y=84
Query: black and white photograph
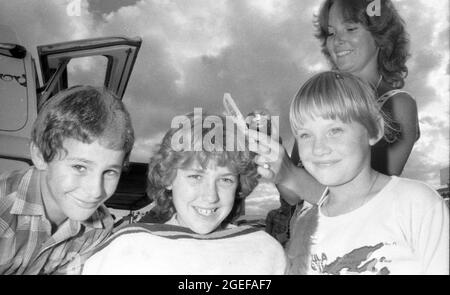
x=225 y=137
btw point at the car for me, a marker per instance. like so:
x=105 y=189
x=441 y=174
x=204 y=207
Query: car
x=22 y=94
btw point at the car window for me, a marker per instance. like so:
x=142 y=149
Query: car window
x=88 y=70
x=13 y=94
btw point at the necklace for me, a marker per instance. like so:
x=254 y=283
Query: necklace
x=364 y=199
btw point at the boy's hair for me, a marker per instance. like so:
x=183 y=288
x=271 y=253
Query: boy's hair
x=84 y=113
x=387 y=29
x=165 y=162
x=337 y=95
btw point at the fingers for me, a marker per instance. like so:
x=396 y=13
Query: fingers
x=266 y=162
x=265 y=145
x=260 y=160
x=259 y=137
x=266 y=169
x=268 y=155
x=259 y=149
x=265 y=173
x=259 y=142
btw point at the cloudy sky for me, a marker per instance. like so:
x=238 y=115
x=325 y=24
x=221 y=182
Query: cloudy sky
x=260 y=51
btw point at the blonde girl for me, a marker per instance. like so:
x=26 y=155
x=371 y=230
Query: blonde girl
x=365 y=222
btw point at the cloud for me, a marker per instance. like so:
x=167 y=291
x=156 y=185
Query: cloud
x=144 y=147
x=49 y=19
x=260 y=51
x=100 y=7
x=430 y=153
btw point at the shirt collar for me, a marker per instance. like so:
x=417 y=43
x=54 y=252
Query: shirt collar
x=324 y=196
x=100 y=219
x=28 y=199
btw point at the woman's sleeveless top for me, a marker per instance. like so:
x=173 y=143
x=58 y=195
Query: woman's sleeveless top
x=394 y=135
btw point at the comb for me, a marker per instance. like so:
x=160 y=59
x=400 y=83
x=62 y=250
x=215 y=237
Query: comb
x=232 y=109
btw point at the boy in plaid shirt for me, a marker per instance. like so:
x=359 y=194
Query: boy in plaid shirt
x=52 y=214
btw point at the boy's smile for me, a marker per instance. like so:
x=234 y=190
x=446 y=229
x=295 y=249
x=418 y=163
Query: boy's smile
x=76 y=183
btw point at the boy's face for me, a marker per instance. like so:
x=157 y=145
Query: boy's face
x=203 y=198
x=77 y=183
x=334 y=152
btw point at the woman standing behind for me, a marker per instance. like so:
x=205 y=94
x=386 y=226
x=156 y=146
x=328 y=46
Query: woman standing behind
x=374 y=48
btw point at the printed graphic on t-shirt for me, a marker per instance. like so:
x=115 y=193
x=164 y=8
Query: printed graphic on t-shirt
x=355 y=262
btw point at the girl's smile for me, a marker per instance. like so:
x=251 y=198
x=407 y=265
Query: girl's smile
x=325 y=163
x=203 y=198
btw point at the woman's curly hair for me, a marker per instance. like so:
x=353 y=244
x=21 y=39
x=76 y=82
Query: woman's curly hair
x=387 y=29
x=171 y=156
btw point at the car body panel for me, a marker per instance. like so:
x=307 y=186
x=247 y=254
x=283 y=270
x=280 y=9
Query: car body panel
x=18 y=108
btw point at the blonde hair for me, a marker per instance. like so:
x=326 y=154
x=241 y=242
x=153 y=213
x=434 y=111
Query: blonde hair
x=337 y=95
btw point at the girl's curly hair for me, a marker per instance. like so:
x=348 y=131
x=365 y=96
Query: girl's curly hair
x=387 y=29
x=172 y=156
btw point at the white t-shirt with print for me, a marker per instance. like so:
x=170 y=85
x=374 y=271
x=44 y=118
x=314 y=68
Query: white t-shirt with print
x=404 y=229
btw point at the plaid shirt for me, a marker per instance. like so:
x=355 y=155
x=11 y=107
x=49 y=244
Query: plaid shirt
x=26 y=243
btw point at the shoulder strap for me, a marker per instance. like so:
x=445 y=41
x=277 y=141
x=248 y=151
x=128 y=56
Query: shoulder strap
x=382 y=99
